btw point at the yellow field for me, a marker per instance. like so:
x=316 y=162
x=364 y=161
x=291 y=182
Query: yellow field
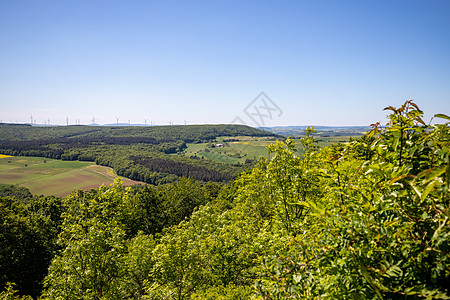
x=4 y=156
x=45 y=176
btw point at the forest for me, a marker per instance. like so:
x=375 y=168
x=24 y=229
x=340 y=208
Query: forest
x=365 y=219
x=139 y=153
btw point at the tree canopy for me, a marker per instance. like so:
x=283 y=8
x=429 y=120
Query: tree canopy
x=367 y=219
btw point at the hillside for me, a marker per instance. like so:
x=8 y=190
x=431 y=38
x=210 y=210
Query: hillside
x=145 y=153
x=321 y=130
x=186 y=133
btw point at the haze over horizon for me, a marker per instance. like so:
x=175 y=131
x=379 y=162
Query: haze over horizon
x=328 y=63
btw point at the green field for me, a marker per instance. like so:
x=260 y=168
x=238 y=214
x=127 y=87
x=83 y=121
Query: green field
x=244 y=147
x=327 y=141
x=43 y=176
x=231 y=150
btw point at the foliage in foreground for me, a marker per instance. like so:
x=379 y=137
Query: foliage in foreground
x=381 y=228
x=368 y=219
x=28 y=235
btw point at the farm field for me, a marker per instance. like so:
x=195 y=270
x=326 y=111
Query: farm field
x=238 y=149
x=232 y=150
x=43 y=176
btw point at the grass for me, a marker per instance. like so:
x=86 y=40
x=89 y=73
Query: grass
x=327 y=141
x=236 y=151
x=244 y=147
x=43 y=176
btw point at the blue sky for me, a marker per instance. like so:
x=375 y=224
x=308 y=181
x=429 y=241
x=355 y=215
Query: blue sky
x=320 y=62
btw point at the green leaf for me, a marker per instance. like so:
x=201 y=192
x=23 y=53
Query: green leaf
x=435 y=172
x=394 y=271
x=442 y=116
x=448 y=176
x=428 y=189
x=415 y=189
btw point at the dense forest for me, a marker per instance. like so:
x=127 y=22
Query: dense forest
x=139 y=153
x=366 y=219
x=186 y=133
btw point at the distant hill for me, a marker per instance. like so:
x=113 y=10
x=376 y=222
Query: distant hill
x=119 y=124
x=329 y=130
x=186 y=133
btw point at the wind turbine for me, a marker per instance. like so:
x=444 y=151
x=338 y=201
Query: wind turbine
x=117 y=120
x=145 y=121
x=67 y=121
x=31 y=119
x=93 y=120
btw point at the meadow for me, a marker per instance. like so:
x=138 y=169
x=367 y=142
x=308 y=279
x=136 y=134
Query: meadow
x=230 y=150
x=239 y=149
x=44 y=176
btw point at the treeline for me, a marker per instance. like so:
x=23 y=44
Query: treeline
x=181 y=169
x=367 y=219
x=186 y=133
x=123 y=160
x=29 y=227
x=114 y=146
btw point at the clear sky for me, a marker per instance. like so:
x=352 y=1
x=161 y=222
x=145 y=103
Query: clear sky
x=320 y=62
